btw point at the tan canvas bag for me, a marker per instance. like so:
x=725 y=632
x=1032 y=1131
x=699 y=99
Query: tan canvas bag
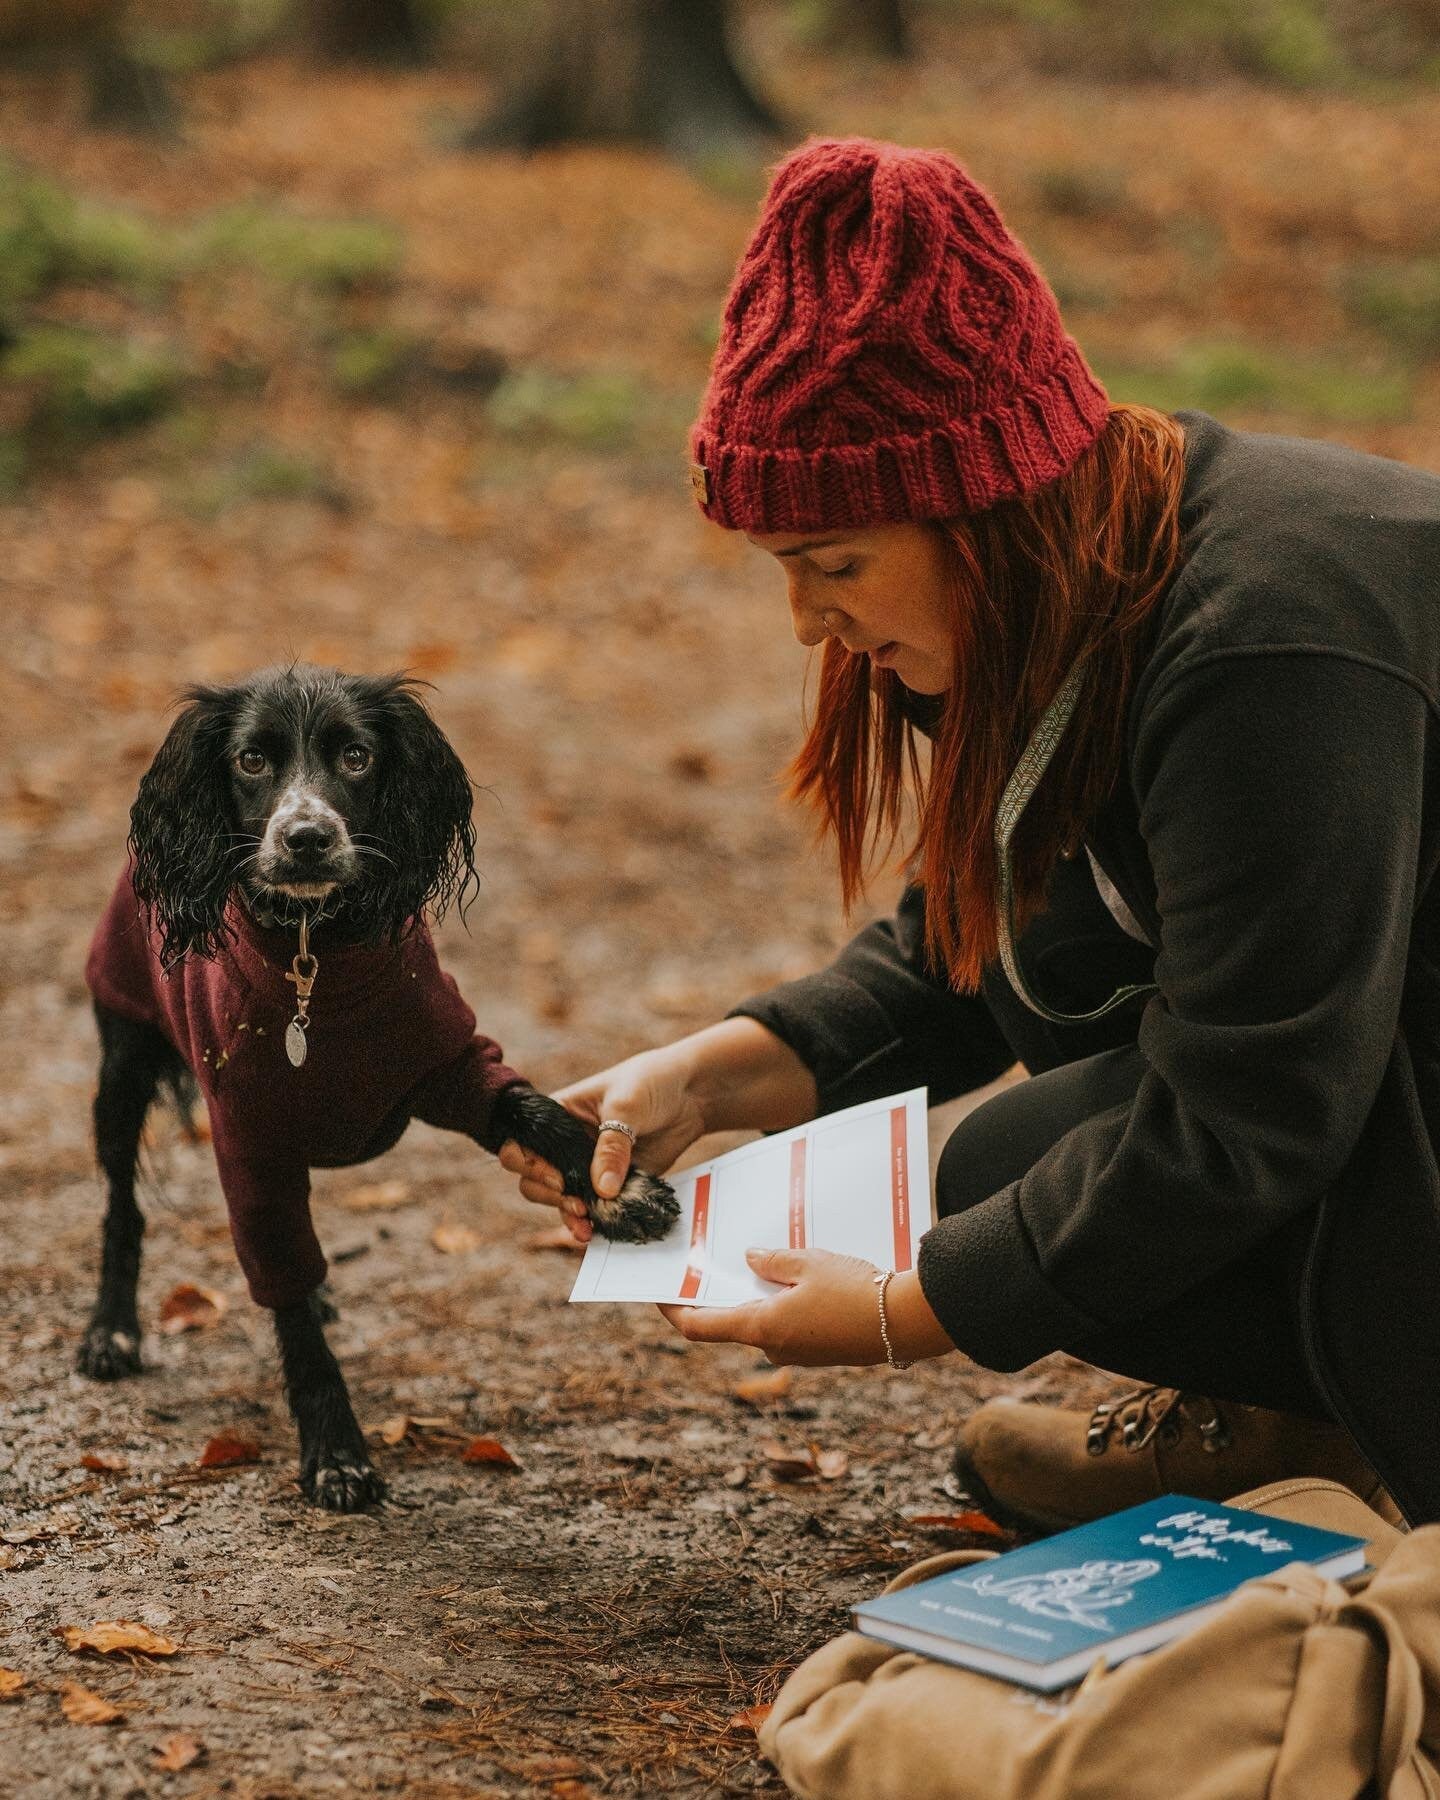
x=1297 y=1689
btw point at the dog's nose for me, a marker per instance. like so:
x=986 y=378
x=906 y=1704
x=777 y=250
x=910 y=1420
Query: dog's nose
x=307 y=837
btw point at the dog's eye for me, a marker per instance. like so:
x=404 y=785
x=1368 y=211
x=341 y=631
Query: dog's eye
x=356 y=760
x=250 y=762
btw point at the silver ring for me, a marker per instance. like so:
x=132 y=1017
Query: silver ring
x=620 y=1126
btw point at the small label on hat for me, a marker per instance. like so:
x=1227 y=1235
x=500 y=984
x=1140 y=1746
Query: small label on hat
x=699 y=485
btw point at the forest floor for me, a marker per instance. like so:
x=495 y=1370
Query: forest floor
x=620 y=679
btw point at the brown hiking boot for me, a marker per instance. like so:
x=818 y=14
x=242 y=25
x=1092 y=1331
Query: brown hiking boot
x=1041 y=1468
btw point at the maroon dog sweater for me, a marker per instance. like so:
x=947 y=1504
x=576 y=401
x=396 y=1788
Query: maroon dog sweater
x=390 y=1040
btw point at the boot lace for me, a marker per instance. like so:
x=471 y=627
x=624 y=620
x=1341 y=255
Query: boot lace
x=1148 y=1413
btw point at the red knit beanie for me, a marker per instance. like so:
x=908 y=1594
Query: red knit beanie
x=888 y=352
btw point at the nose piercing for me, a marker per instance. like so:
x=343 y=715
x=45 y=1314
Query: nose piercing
x=826 y=617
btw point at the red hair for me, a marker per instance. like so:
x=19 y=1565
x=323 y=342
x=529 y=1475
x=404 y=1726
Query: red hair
x=1070 y=571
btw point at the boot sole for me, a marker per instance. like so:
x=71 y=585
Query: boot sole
x=1011 y=1517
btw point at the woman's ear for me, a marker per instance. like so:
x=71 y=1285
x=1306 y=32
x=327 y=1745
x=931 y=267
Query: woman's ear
x=184 y=861
x=423 y=818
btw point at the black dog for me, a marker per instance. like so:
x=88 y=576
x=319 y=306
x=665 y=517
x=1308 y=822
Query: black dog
x=269 y=941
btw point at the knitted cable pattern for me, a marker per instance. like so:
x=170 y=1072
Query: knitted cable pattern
x=888 y=352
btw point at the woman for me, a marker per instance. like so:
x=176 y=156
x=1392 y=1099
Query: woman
x=1173 y=852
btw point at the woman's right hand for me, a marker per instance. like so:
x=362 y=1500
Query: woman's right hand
x=732 y=1076
x=650 y=1093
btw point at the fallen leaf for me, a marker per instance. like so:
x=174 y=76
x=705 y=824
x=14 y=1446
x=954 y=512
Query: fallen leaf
x=455 y=1240
x=571 y=1790
x=112 y=1635
x=551 y=1768
x=191 y=1308
x=11 y=1682
x=11 y=1559
x=973 y=1522
x=229 y=1451
x=736 y=1476
x=396 y=1430
x=831 y=1464
x=82 y=1706
x=488 y=1450
x=751 y=1719
x=760 y=1390
x=555 y=1238
x=177 y=1752
x=378 y=1196
x=789 y=1465
x=105 y=1462
x=933 y=1440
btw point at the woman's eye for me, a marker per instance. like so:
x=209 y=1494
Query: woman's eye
x=356 y=760
x=837 y=573
x=251 y=762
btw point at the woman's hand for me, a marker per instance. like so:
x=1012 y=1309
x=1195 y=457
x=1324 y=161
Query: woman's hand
x=829 y=1313
x=650 y=1093
x=732 y=1076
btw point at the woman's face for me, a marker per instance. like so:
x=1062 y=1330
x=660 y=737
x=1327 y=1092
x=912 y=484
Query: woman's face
x=883 y=590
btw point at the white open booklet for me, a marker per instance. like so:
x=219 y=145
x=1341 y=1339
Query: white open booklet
x=856 y=1181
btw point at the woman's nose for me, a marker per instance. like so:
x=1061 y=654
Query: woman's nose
x=811 y=624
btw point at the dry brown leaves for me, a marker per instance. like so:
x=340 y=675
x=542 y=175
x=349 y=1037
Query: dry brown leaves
x=191 y=1308
x=975 y=1524
x=750 y=1719
x=378 y=1196
x=105 y=1462
x=455 y=1240
x=11 y=1682
x=764 y=1390
x=227 y=1450
x=402 y=1426
x=83 y=1706
x=488 y=1450
x=110 y=1636
x=177 y=1752
x=788 y=1463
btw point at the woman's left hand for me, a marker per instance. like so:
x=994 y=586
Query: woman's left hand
x=828 y=1313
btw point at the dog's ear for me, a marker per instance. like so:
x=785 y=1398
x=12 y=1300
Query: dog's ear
x=184 y=861
x=423 y=817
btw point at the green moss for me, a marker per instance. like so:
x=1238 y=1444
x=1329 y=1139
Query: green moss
x=1235 y=378
x=49 y=235
x=85 y=384
x=369 y=362
x=602 y=410
x=1399 y=300
x=261 y=471
x=333 y=254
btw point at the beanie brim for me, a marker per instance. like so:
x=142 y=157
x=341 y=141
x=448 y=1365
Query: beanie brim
x=1030 y=440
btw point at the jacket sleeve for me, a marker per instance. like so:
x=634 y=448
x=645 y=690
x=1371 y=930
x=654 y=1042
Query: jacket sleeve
x=460 y=1095
x=274 y=1235
x=881 y=1019
x=1280 y=799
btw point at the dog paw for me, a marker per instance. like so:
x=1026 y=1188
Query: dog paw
x=643 y=1210
x=108 y=1354
x=343 y=1484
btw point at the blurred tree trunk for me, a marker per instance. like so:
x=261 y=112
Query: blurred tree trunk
x=364 y=30
x=122 y=92
x=640 y=71
x=873 y=27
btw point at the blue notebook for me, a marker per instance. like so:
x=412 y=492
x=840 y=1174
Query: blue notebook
x=1042 y=1616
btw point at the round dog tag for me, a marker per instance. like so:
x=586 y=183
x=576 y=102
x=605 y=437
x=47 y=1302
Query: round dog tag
x=295 y=1045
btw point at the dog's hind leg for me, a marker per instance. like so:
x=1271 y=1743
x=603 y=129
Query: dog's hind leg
x=134 y=1059
x=335 y=1469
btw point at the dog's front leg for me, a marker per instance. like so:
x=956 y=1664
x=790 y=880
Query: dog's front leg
x=335 y=1469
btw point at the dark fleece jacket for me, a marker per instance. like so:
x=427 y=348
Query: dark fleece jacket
x=390 y=1040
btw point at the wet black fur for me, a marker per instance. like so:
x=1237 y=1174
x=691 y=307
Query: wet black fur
x=417 y=815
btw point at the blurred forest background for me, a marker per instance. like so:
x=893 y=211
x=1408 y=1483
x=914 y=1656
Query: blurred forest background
x=368 y=331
